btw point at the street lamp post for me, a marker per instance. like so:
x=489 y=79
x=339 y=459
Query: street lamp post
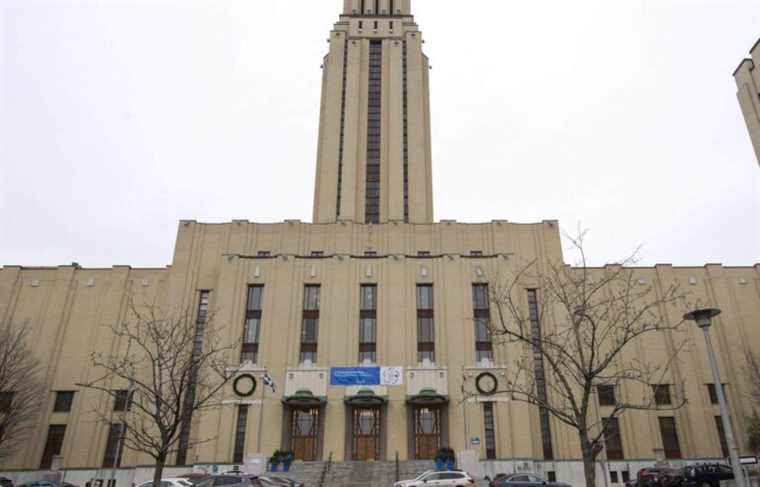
x=703 y=319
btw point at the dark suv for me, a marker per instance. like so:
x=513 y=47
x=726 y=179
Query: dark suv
x=706 y=475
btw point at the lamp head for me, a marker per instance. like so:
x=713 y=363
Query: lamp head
x=703 y=317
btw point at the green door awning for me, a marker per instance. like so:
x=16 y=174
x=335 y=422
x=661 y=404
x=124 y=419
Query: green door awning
x=366 y=397
x=427 y=397
x=304 y=398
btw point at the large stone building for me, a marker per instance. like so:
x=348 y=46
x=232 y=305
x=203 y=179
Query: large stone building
x=748 y=82
x=374 y=280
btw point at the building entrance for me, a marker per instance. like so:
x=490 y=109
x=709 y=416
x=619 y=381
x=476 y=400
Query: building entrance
x=304 y=433
x=366 y=427
x=427 y=432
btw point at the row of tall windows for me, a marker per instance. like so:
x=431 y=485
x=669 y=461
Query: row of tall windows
x=373 y=6
x=540 y=373
x=368 y=299
x=374 y=109
x=406 y=133
x=201 y=316
x=342 y=128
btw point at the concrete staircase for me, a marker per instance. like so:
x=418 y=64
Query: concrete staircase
x=356 y=474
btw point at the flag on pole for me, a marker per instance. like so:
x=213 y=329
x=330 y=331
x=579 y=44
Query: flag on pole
x=269 y=382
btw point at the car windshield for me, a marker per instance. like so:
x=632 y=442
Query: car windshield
x=424 y=474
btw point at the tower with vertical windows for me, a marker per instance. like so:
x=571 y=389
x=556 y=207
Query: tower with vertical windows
x=374 y=156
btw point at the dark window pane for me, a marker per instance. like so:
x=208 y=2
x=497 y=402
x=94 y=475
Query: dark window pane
x=606 y=395
x=53 y=445
x=490 y=430
x=480 y=296
x=114 y=447
x=369 y=297
x=424 y=296
x=63 y=401
x=612 y=438
x=662 y=395
x=311 y=298
x=670 y=440
x=121 y=402
x=255 y=295
x=722 y=436
x=6 y=400
x=240 y=430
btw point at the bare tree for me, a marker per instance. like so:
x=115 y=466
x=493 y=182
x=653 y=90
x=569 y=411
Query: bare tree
x=753 y=375
x=753 y=381
x=597 y=318
x=20 y=388
x=169 y=365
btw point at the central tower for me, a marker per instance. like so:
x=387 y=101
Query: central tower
x=374 y=156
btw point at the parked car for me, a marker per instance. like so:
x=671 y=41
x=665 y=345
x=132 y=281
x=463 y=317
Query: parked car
x=706 y=475
x=46 y=483
x=659 y=477
x=237 y=478
x=5 y=482
x=170 y=482
x=284 y=481
x=524 y=480
x=432 y=478
x=194 y=477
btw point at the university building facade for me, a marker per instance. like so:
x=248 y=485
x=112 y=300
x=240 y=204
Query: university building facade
x=373 y=281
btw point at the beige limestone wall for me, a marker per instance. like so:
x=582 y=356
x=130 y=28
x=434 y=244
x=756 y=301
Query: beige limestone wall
x=68 y=308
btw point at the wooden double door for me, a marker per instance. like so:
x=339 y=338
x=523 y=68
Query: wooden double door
x=304 y=433
x=366 y=433
x=427 y=431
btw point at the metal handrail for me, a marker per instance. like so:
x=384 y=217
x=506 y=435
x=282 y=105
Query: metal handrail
x=325 y=470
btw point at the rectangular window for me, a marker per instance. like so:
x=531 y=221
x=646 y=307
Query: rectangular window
x=490 y=430
x=662 y=395
x=482 y=316
x=310 y=324
x=612 y=438
x=606 y=395
x=391 y=24
x=614 y=477
x=6 y=401
x=53 y=445
x=423 y=253
x=317 y=253
x=264 y=253
x=551 y=476
x=63 y=401
x=712 y=391
x=374 y=119
x=722 y=436
x=670 y=437
x=626 y=476
x=368 y=323
x=476 y=253
x=252 y=325
x=425 y=323
x=240 y=431
x=540 y=374
x=361 y=24
x=121 y=402
x=114 y=447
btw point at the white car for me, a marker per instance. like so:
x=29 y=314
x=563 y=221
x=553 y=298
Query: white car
x=433 y=478
x=173 y=482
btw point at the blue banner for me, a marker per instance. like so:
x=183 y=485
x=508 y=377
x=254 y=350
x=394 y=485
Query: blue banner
x=355 y=376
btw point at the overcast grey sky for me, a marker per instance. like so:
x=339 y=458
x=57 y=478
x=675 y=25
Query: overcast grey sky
x=120 y=117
